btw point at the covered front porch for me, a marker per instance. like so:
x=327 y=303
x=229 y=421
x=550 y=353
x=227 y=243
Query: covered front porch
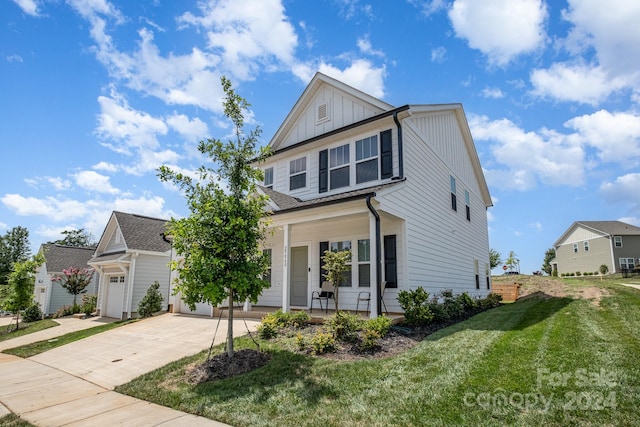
x=298 y=240
x=317 y=315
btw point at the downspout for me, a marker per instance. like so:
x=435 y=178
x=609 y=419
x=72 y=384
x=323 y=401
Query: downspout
x=170 y=242
x=378 y=255
x=400 y=154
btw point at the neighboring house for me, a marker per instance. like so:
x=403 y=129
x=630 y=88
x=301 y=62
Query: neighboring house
x=402 y=187
x=132 y=254
x=586 y=245
x=50 y=294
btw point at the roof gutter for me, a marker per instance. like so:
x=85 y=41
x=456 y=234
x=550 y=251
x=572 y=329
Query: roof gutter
x=400 y=151
x=378 y=254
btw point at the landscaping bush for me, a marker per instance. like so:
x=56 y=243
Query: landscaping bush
x=32 y=313
x=465 y=300
x=344 y=326
x=151 y=302
x=492 y=300
x=381 y=325
x=416 y=307
x=66 y=310
x=369 y=340
x=322 y=342
x=272 y=322
x=267 y=330
x=88 y=303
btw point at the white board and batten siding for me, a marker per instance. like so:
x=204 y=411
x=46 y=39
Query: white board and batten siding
x=442 y=245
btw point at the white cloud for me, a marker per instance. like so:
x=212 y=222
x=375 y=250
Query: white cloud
x=361 y=74
x=438 y=54
x=192 y=130
x=248 y=33
x=624 y=190
x=527 y=158
x=576 y=83
x=95 y=182
x=364 y=44
x=105 y=166
x=55 y=209
x=492 y=92
x=501 y=29
x=430 y=7
x=616 y=136
x=30 y=7
x=14 y=58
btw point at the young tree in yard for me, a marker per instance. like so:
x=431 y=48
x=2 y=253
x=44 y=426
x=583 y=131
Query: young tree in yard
x=14 y=247
x=74 y=280
x=549 y=255
x=219 y=242
x=494 y=258
x=335 y=265
x=512 y=261
x=21 y=281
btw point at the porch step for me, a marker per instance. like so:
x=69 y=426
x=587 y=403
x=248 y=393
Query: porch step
x=79 y=316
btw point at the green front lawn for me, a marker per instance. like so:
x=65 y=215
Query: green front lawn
x=543 y=360
x=7 y=332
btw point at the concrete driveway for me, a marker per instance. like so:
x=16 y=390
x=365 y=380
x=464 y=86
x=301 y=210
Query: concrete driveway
x=72 y=385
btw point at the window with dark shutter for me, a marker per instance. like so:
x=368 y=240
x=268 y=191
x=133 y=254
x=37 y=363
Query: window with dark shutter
x=323 y=166
x=386 y=154
x=390 y=261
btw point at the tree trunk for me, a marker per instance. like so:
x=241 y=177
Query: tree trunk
x=230 y=326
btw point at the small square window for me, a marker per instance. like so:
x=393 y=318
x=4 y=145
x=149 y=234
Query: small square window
x=586 y=246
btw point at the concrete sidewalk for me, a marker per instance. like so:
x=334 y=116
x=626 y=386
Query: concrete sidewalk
x=71 y=385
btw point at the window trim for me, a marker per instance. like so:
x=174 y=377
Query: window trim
x=350 y=263
x=268 y=185
x=373 y=143
x=575 y=248
x=626 y=263
x=586 y=245
x=452 y=188
x=298 y=173
x=365 y=262
x=467 y=200
x=269 y=270
x=616 y=240
x=346 y=165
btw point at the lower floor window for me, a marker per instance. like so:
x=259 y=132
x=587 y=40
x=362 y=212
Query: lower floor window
x=267 y=274
x=364 y=262
x=338 y=247
x=627 y=263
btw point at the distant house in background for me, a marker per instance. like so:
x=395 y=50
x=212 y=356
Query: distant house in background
x=132 y=254
x=49 y=294
x=586 y=245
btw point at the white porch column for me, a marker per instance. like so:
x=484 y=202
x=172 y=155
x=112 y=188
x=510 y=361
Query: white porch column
x=285 y=268
x=373 y=266
x=131 y=281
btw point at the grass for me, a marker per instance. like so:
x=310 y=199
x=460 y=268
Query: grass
x=25 y=329
x=542 y=360
x=13 y=420
x=38 y=347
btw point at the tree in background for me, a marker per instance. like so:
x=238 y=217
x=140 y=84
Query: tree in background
x=74 y=280
x=549 y=256
x=512 y=262
x=220 y=241
x=19 y=294
x=77 y=238
x=335 y=265
x=14 y=247
x=494 y=258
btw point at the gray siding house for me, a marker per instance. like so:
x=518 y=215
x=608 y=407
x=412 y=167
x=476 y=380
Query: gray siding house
x=586 y=245
x=49 y=294
x=132 y=254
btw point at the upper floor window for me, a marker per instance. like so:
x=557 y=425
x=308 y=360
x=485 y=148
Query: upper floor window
x=298 y=173
x=575 y=248
x=586 y=246
x=268 y=177
x=617 y=241
x=367 y=159
x=339 y=167
x=467 y=204
x=454 y=202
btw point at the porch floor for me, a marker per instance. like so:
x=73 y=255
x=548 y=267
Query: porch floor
x=318 y=316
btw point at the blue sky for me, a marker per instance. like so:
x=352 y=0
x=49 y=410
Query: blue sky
x=96 y=94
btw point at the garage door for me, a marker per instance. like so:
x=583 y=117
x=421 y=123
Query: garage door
x=202 y=309
x=115 y=297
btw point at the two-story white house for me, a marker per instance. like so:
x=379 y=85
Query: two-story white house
x=401 y=187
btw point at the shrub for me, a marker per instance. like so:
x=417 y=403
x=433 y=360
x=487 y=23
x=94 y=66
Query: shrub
x=492 y=300
x=151 y=302
x=344 y=326
x=272 y=322
x=381 y=325
x=578 y=273
x=322 y=342
x=66 y=310
x=32 y=313
x=466 y=301
x=89 y=302
x=267 y=330
x=416 y=307
x=370 y=339
x=301 y=342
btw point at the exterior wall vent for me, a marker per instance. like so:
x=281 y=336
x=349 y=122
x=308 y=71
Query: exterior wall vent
x=323 y=113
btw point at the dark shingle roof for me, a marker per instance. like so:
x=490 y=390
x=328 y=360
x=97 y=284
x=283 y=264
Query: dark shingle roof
x=612 y=227
x=142 y=232
x=61 y=257
x=287 y=203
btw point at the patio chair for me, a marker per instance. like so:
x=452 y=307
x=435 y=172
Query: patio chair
x=326 y=293
x=366 y=296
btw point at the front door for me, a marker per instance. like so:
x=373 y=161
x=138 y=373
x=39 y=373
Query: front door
x=299 y=276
